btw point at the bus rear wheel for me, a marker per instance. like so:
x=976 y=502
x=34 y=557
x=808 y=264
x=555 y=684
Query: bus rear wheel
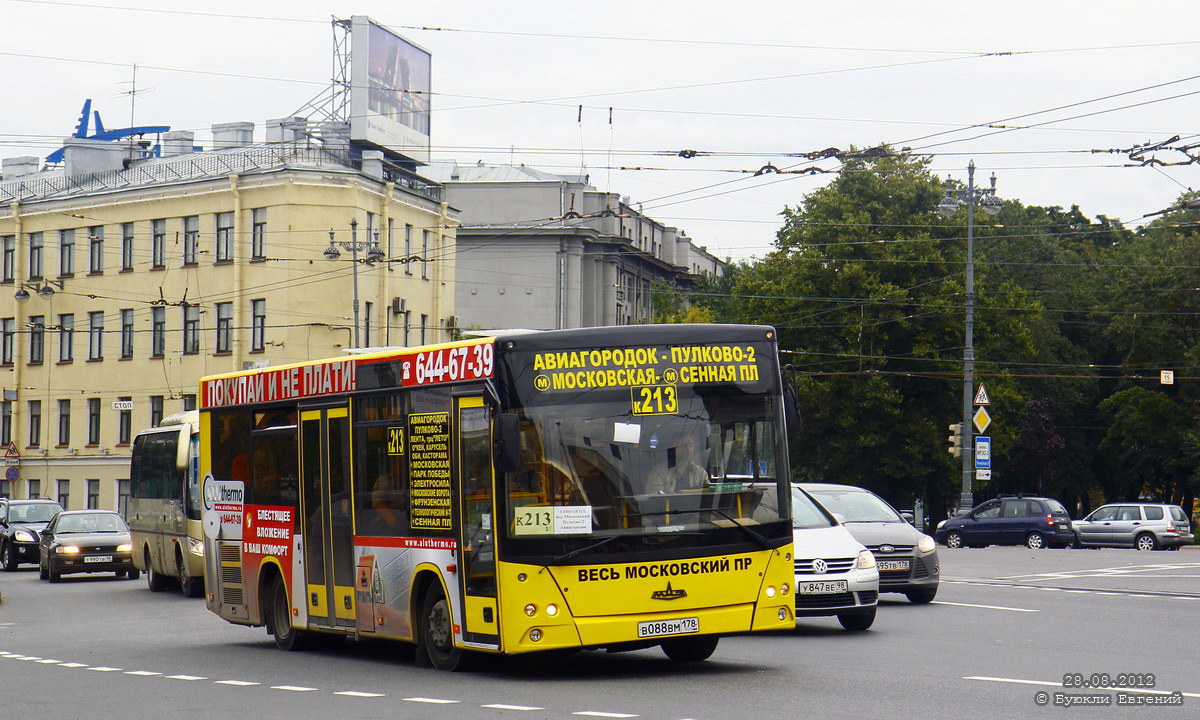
x=437 y=631
x=689 y=650
x=287 y=637
x=154 y=580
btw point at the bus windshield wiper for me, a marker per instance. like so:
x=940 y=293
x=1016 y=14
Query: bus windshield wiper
x=585 y=548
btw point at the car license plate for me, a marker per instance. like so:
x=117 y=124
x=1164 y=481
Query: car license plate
x=98 y=558
x=823 y=587
x=679 y=626
x=892 y=565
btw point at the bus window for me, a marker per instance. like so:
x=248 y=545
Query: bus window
x=231 y=433
x=274 y=468
x=380 y=496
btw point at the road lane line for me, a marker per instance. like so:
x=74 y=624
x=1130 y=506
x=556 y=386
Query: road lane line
x=355 y=693
x=985 y=607
x=72 y=665
x=522 y=708
x=435 y=701
x=236 y=683
x=48 y=662
x=105 y=669
x=292 y=688
x=185 y=677
x=143 y=673
x=594 y=713
x=1044 y=683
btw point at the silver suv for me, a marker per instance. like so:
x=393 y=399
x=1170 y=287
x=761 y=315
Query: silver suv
x=1145 y=526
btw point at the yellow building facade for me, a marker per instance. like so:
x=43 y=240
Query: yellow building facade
x=120 y=289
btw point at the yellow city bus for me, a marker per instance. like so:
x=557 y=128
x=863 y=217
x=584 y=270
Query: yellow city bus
x=529 y=491
x=164 y=508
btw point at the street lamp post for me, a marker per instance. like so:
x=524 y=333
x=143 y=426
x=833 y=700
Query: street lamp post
x=370 y=246
x=985 y=198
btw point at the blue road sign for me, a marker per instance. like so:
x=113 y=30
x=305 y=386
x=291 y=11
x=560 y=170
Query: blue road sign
x=983 y=453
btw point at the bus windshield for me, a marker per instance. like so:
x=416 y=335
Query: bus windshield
x=646 y=460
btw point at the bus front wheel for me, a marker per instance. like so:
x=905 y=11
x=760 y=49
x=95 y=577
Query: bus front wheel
x=689 y=650
x=190 y=587
x=437 y=631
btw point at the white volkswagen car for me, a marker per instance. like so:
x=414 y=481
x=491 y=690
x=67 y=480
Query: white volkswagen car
x=835 y=574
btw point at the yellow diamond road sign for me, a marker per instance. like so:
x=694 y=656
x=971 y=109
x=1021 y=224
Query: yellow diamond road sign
x=982 y=419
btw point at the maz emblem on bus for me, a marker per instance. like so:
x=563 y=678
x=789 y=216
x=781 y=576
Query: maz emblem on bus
x=668 y=594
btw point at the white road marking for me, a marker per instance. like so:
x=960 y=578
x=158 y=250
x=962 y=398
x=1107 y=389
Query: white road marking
x=237 y=683
x=292 y=688
x=72 y=665
x=512 y=707
x=48 y=662
x=143 y=673
x=355 y=693
x=27 y=658
x=1016 y=681
x=185 y=677
x=105 y=669
x=593 y=713
x=985 y=607
x=435 y=701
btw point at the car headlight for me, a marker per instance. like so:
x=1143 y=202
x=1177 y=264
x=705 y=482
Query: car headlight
x=926 y=544
x=940 y=524
x=866 y=560
x=22 y=536
x=66 y=550
x=126 y=547
x=195 y=547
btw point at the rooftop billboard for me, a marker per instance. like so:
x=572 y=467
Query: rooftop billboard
x=390 y=83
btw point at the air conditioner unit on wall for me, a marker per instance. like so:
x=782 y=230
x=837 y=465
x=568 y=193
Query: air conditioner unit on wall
x=398 y=306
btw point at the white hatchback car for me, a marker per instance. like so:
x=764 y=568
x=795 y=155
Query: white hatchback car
x=835 y=574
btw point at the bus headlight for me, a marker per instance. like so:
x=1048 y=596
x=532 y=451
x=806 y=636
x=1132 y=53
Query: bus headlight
x=531 y=609
x=552 y=610
x=22 y=536
x=785 y=588
x=126 y=547
x=926 y=544
x=783 y=613
x=770 y=591
x=66 y=550
x=535 y=635
x=196 y=547
x=866 y=560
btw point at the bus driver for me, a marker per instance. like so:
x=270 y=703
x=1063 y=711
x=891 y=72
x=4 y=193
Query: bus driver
x=682 y=475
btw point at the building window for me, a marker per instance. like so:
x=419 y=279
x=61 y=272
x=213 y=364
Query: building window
x=95 y=336
x=158 y=243
x=391 y=226
x=425 y=254
x=6 y=435
x=35 y=423
x=407 y=327
x=408 y=232
x=96 y=249
x=35 y=489
x=127 y=333
x=35 y=256
x=424 y=322
x=191 y=329
x=123 y=497
x=224 y=327
x=189 y=402
x=66 y=337
x=9 y=271
x=64 y=423
x=66 y=252
x=158 y=331
x=125 y=422
x=8 y=335
x=191 y=239
x=126 y=246
x=258 y=325
x=156 y=410
x=64 y=494
x=368 y=311
x=258 y=233
x=93 y=421
x=93 y=487
x=37 y=338
x=224 y=237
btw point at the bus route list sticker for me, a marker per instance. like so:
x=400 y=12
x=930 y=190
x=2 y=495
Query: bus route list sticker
x=429 y=471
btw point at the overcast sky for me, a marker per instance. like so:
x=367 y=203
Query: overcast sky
x=751 y=82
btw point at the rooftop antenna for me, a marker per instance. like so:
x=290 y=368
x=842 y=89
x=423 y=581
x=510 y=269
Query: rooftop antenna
x=133 y=93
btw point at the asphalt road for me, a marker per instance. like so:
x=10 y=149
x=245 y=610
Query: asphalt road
x=1008 y=624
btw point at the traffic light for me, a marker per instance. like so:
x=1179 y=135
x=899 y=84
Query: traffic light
x=956 y=440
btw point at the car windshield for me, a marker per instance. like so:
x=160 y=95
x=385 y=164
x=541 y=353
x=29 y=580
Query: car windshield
x=856 y=506
x=91 y=523
x=36 y=513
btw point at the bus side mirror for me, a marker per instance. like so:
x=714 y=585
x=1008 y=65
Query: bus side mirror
x=506 y=445
x=791 y=410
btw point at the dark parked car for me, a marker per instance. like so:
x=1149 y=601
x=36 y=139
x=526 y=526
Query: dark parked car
x=86 y=541
x=906 y=557
x=21 y=521
x=1145 y=526
x=1035 y=522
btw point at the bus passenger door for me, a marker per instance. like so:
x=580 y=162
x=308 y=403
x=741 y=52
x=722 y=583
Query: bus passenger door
x=328 y=539
x=473 y=451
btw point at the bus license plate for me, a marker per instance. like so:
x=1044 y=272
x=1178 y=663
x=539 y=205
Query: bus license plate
x=679 y=626
x=885 y=565
x=98 y=558
x=823 y=587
